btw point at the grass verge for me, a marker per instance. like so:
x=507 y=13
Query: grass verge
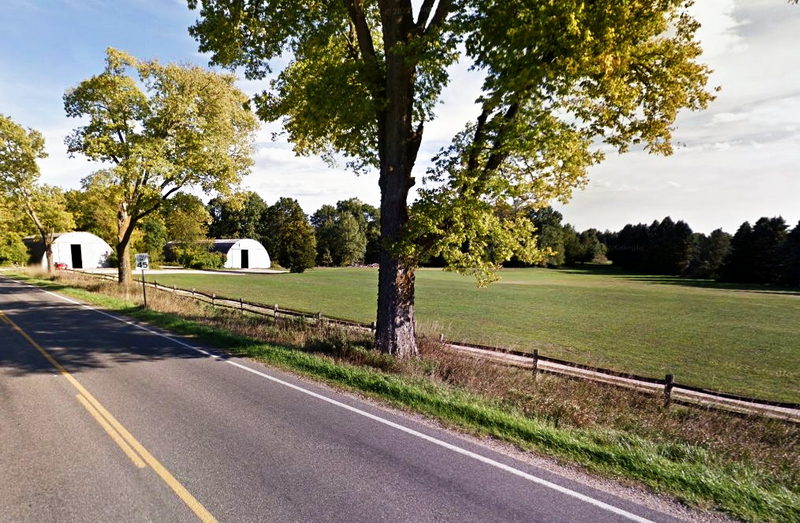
x=650 y=446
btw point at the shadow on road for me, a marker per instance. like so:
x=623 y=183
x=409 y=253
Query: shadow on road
x=76 y=337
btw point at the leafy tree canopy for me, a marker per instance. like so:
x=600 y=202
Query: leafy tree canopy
x=361 y=78
x=162 y=128
x=44 y=205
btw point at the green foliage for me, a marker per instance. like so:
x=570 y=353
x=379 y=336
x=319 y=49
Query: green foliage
x=665 y=247
x=757 y=254
x=240 y=215
x=94 y=205
x=185 y=217
x=347 y=233
x=791 y=255
x=44 y=206
x=290 y=238
x=560 y=76
x=12 y=229
x=709 y=254
x=162 y=128
x=199 y=256
x=154 y=236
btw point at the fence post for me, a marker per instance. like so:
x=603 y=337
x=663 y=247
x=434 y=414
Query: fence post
x=275 y=311
x=241 y=304
x=669 y=383
x=213 y=297
x=192 y=290
x=441 y=338
x=175 y=290
x=319 y=318
x=535 y=362
x=372 y=326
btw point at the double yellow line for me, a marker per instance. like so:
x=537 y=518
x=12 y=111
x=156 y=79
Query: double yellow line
x=139 y=455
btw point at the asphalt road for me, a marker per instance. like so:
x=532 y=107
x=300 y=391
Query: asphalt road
x=105 y=419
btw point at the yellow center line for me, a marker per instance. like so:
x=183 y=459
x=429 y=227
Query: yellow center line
x=131 y=444
x=111 y=432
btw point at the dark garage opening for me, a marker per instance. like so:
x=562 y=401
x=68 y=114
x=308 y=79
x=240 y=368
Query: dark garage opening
x=245 y=259
x=77 y=257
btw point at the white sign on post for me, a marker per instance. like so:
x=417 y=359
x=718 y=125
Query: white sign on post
x=143 y=261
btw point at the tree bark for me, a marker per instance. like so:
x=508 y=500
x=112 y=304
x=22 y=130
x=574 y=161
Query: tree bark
x=124 y=230
x=48 y=252
x=395 y=329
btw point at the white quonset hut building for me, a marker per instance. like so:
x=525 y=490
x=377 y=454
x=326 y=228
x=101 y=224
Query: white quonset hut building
x=77 y=250
x=243 y=253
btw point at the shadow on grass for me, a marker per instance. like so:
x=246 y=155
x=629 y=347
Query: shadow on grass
x=660 y=279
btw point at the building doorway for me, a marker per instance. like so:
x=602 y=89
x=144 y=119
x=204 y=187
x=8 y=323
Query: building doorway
x=77 y=257
x=245 y=259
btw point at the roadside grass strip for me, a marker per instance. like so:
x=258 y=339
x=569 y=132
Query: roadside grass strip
x=689 y=473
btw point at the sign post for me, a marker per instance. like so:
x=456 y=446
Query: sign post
x=143 y=262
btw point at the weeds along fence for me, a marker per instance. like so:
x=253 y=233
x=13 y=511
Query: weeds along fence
x=671 y=391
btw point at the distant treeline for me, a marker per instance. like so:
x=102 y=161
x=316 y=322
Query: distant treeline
x=767 y=252
x=341 y=235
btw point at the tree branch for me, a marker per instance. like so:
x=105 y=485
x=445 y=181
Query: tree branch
x=424 y=13
x=442 y=10
x=355 y=9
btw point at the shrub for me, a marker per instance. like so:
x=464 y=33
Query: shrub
x=199 y=257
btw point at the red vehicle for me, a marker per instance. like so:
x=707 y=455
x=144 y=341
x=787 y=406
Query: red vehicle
x=60 y=265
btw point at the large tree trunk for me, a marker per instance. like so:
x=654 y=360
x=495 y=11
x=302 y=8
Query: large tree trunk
x=395 y=329
x=398 y=144
x=124 y=230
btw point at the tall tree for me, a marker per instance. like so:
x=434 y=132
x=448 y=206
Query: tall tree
x=239 y=215
x=768 y=240
x=738 y=264
x=709 y=254
x=44 y=205
x=550 y=234
x=290 y=238
x=363 y=77
x=163 y=128
x=791 y=256
x=344 y=232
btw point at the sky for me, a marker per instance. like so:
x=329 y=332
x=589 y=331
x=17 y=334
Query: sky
x=738 y=160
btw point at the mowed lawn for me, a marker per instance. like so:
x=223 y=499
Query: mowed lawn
x=738 y=340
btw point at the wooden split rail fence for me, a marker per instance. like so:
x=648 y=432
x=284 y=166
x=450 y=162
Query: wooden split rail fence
x=670 y=390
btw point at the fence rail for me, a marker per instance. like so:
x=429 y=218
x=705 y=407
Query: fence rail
x=673 y=392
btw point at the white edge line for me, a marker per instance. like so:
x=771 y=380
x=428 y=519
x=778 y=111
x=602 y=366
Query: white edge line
x=397 y=426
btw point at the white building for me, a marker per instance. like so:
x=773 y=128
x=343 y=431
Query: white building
x=243 y=253
x=76 y=250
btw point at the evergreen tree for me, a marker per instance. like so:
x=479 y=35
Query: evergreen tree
x=791 y=256
x=738 y=265
x=768 y=240
x=710 y=253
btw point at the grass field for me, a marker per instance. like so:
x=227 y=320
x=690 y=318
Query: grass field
x=741 y=340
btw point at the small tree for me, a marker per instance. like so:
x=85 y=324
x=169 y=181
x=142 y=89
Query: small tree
x=163 y=128
x=44 y=205
x=12 y=229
